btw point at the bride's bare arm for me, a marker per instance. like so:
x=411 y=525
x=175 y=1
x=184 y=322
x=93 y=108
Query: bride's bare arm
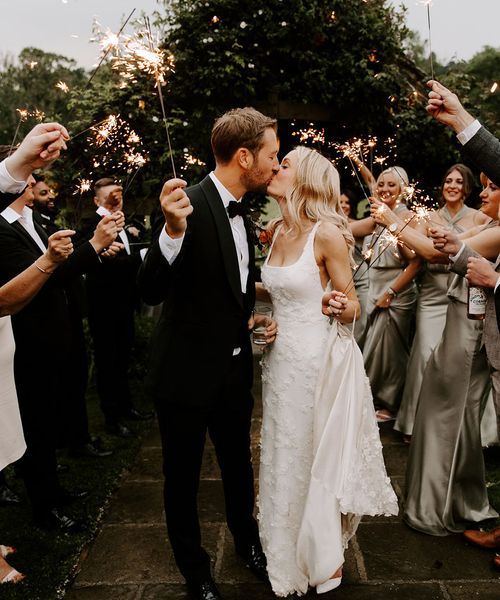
x=261 y=294
x=332 y=257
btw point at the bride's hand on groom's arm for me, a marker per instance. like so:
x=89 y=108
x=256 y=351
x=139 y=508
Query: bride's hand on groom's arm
x=176 y=207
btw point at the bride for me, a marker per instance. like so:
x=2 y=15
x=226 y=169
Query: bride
x=321 y=461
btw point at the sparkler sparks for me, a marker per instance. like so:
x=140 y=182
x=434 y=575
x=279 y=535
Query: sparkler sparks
x=312 y=135
x=83 y=186
x=494 y=88
x=62 y=86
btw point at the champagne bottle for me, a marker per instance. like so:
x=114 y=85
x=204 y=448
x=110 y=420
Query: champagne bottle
x=476 y=303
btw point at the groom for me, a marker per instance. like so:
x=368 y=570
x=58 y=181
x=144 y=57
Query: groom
x=200 y=265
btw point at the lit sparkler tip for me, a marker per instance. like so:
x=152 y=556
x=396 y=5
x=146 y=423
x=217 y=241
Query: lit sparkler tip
x=494 y=88
x=62 y=86
x=83 y=186
x=23 y=113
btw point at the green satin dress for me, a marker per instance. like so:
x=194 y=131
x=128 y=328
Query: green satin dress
x=445 y=479
x=387 y=344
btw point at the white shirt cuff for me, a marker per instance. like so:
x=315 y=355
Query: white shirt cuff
x=9 y=185
x=169 y=247
x=455 y=257
x=496 y=285
x=470 y=131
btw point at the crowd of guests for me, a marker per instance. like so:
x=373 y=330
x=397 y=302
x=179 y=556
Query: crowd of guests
x=432 y=365
x=432 y=369
x=51 y=280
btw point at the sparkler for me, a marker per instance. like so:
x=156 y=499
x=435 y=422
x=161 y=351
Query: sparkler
x=391 y=242
x=62 y=86
x=23 y=115
x=159 y=80
x=109 y=47
x=428 y=3
x=316 y=136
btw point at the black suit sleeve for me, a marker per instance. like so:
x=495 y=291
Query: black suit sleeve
x=483 y=149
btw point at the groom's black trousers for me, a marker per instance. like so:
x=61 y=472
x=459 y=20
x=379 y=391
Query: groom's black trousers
x=227 y=419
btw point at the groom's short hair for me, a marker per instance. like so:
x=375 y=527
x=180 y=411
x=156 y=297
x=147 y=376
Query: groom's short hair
x=239 y=128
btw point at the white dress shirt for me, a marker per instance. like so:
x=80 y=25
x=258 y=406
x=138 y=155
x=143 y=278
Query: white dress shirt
x=469 y=132
x=104 y=212
x=26 y=220
x=9 y=185
x=170 y=248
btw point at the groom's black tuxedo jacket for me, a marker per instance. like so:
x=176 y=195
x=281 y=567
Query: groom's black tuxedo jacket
x=205 y=313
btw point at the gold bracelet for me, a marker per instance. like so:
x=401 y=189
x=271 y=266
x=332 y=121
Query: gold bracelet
x=42 y=270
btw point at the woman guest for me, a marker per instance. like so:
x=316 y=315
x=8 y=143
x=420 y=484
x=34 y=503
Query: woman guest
x=391 y=298
x=302 y=459
x=348 y=204
x=444 y=495
x=432 y=301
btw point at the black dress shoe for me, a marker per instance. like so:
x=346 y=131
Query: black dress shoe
x=204 y=590
x=90 y=450
x=255 y=560
x=120 y=430
x=55 y=520
x=70 y=496
x=8 y=496
x=136 y=415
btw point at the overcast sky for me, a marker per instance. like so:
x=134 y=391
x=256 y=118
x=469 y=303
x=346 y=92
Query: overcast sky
x=459 y=27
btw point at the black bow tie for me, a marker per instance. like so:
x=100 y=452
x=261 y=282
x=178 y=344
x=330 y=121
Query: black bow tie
x=236 y=208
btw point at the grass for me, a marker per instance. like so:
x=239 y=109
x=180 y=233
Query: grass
x=50 y=560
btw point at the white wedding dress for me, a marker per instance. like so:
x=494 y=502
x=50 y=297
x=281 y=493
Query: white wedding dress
x=321 y=458
x=12 y=445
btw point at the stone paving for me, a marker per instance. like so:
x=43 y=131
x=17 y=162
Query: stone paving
x=131 y=559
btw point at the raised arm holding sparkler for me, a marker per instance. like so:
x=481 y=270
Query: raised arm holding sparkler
x=40 y=148
x=478 y=144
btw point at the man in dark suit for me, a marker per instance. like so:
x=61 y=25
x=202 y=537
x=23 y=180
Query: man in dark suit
x=112 y=297
x=201 y=266
x=42 y=329
x=43 y=205
x=483 y=149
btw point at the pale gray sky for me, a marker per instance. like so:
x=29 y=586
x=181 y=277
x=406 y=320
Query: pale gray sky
x=459 y=27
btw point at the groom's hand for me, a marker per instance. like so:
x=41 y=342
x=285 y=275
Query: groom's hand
x=176 y=207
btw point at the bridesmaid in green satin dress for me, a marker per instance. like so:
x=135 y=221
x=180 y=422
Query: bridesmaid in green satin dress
x=432 y=301
x=445 y=485
x=391 y=296
x=348 y=204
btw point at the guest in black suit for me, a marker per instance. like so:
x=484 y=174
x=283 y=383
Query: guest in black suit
x=112 y=299
x=42 y=329
x=201 y=266
x=43 y=205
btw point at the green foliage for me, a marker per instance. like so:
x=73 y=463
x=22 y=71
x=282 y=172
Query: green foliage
x=350 y=68
x=30 y=84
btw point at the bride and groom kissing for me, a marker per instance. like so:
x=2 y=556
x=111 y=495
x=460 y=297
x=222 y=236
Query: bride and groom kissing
x=200 y=265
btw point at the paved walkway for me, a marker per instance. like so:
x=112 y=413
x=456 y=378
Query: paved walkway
x=131 y=560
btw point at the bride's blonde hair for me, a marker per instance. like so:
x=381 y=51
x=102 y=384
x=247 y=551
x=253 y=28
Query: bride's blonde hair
x=315 y=194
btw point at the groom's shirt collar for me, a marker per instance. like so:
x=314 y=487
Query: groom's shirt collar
x=224 y=193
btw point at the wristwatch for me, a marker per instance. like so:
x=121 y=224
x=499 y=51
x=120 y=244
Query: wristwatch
x=393 y=227
x=392 y=292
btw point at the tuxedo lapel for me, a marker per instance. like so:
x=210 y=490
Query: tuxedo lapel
x=41 y=232
x=225 y=234
x=26 y=236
